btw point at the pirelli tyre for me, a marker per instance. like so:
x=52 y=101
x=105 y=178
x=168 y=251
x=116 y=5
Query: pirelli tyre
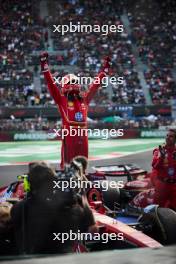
x=163 y=224
x=110 y=195
x=106 y=192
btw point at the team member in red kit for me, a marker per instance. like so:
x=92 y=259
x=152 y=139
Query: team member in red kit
x=73 y=106
x=163 y=174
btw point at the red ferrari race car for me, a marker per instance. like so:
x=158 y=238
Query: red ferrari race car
x=134 y=183
x=141 y=227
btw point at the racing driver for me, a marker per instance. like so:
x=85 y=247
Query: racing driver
x=163 y=174
x=73 y=106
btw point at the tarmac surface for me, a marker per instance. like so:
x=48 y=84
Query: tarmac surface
x=143 y=159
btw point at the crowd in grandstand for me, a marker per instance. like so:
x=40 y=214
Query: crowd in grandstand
x=155 y=36
x=23 y=33
x=42 y=124
x=86 y=50
x=160 y=83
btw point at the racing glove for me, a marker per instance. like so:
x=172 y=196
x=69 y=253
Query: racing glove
x=44 y=61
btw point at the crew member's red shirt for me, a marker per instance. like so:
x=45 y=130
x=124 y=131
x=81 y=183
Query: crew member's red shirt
x=165 y=168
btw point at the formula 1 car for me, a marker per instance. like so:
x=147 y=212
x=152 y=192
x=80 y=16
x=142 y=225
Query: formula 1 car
x=149 y=227
x=134 y=183
x=136 y=189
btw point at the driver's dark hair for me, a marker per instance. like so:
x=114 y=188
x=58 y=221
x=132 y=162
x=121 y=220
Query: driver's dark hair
x=83 y=160
x=40 y=173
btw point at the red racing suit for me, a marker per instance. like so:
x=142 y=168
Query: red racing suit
x=163 y=177
x=74 y=115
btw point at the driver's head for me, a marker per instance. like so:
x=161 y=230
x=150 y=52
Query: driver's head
x=40 y=176
x=70 y=83
x=171 y=137
x=83 y=161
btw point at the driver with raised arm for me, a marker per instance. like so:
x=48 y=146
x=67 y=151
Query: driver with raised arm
x=73 y=106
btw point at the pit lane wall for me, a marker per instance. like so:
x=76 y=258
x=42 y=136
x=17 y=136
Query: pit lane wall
x=46 y=135
x=95 y=111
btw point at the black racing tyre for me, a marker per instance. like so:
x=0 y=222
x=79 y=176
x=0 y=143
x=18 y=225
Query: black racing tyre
x=163 y=222
x=111 y=196
x=94 y=195
x=167 y=222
